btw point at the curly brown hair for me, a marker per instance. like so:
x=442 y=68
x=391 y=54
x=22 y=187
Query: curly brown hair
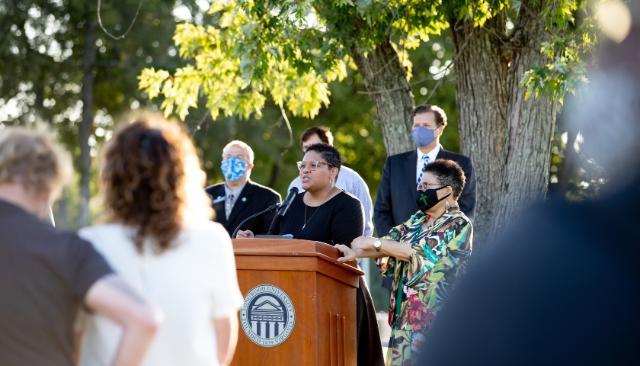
x=146 y=171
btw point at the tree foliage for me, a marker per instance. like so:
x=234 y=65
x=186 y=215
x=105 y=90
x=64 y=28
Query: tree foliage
x=41 y=68
x=289 y=51
x=572 y=41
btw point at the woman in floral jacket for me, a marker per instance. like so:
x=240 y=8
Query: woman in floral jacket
x=423 y=257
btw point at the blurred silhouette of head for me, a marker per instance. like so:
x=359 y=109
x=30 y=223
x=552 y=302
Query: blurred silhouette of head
x=606 y=111
x=33 y=161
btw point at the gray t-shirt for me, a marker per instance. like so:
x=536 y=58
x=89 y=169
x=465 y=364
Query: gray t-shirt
x=44 y=277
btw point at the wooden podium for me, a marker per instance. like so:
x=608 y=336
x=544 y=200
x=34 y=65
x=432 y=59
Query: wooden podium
x=300 y=304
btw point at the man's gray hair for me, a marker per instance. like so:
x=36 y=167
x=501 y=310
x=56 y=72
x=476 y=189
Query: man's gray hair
x=241 y=144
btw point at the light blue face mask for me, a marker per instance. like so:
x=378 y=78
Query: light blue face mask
x=423 y=136
x=233 y=168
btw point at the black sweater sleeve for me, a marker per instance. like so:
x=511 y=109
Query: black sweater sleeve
x=348 y=221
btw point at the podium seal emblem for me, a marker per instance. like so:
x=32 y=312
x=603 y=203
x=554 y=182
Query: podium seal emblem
x=267 y=315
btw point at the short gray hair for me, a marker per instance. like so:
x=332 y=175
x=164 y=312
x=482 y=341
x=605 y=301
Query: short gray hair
x=241 y=144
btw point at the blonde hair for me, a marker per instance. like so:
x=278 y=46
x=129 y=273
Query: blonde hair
x=152 y=180
x=33 y=159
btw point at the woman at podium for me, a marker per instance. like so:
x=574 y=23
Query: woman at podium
x=328 y=214
x=422 y=257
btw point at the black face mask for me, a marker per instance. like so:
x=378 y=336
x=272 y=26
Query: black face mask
x=429 y=198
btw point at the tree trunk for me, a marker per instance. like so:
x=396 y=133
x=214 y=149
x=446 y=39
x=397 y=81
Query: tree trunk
x=86 y=124
x=386 y=82
x=481 y=97
x=568 y=167
x=507 y=136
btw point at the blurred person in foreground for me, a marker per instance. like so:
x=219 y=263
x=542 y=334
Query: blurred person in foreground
x=328 y=214
x=159 y=238
x=562 y=286
x=238 y=197
x=423 y=257
x=47 y=275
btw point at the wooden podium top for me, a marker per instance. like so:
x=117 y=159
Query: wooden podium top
x=290 y=254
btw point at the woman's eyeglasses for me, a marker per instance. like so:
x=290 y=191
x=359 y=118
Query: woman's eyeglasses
x=310 y=165
x=423 y=186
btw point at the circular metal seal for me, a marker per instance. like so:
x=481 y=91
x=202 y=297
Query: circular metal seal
x=267 y=315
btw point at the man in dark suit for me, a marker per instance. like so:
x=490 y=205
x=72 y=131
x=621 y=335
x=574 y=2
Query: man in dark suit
x=238 y=197
x=396 y=199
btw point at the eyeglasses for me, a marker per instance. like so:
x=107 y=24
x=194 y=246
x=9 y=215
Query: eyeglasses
x=423 y=186
x=311 y=165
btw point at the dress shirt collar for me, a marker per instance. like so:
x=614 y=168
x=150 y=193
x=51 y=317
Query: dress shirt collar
x=433 y=154
x=235 y=191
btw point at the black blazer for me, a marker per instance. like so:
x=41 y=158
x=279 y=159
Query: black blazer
x=396 y=199
x=253 y=198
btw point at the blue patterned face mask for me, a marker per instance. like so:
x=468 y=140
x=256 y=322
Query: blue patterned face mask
x=233 y=168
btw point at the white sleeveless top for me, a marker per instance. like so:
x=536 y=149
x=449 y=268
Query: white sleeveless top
x=192 y=284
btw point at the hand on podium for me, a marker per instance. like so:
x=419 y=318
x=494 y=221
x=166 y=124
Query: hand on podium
x=361 y=247
x=348 y=254
x=245 y=234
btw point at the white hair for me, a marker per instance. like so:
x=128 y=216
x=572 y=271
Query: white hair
x=241 y=144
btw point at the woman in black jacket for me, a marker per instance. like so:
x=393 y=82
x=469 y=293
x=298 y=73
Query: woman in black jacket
x=328 y=214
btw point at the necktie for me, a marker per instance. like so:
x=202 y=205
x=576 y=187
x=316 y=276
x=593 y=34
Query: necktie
x=228 y=204
x=425 y=160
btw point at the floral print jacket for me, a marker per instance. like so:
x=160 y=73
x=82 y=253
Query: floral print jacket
x=439 y=255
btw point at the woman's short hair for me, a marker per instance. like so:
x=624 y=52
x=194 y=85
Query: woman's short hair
x=34 y=160
x=329 y=153
x=152 y=180
x=448 y=173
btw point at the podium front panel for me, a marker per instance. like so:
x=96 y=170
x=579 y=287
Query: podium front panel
x=299 y=308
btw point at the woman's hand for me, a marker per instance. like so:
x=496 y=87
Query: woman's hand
x=361 y=247
x=245 y=234
x=348 y=254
